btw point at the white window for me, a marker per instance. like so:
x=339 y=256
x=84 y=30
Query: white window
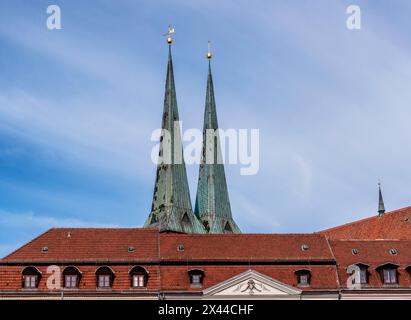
x=71 y=281
x=390 y=276
x=30 y=281
x=363 y=276
x=104 y=281
x=196 y=279
x=303 y=279
x=138 y=280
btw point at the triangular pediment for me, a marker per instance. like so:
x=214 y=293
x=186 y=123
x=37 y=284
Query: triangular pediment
x=252 y=284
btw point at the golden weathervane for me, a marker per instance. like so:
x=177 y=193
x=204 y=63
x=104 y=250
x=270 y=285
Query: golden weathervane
x=170 y=31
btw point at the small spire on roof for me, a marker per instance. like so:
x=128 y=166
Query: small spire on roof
x=381 y=206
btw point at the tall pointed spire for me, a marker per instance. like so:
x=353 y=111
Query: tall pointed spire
x=171 y=207
x=381 y=206
x=212 y=201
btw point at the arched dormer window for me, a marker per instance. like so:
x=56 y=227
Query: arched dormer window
x=303 y=277
x=388 y=273
x=30 y=277
x=104 y=277
x=138 y=277
x=362 y=273
x=71 y=277
x=196 y=278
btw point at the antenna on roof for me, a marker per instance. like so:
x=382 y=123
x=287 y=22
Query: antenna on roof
x=381 y=206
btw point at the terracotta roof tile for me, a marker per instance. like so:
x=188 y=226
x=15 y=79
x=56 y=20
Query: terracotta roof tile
x=79 y=245
x=392 y=225
x=373 y=254
x=244 y=247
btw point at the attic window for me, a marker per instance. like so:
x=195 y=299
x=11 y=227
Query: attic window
x=354 y=251
x=303 y=277
x=131 y=249
x=180 y=247
x=389 y=276
x=305 y=247
x=45 y=249
x=196 y=277
x=392 y=251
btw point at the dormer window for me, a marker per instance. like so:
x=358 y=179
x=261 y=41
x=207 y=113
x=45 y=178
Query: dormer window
x=30 y=282
x=71 y=276
x=362 y=276
x=303 y=277
x=388 y=273
x=104 y=277
x=31 y=278
x=196 y=278
x=390 y=276
x=138 y=277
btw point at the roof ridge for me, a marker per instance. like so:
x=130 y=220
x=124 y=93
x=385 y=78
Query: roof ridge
x=316 y=234
x=27 y=243
x=370 y=240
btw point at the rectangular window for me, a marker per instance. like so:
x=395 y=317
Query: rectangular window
x=196 y=279
x=138 y=280
x=363 y=276
x=30 y=281
x=71 y=281
x=104 y=281
x=390 y=276
x=304 y=279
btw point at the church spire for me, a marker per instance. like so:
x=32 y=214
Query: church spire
x=171 y=208
x=212 y=201
x=381 y=206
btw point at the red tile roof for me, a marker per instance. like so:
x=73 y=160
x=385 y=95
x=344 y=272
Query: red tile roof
x=99 y=245
x=244 y=247
x=82 y=245
x=374 y=254
x=392 y=225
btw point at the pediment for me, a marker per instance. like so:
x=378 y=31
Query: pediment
x=252 y=284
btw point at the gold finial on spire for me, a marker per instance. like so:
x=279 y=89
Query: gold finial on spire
x=209 y=54
x=170 y=31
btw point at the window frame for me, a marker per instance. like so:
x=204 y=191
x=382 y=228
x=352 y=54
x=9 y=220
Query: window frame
x=30 y=277
x=138 y=277
x=138 y=280
x=104 y=281
x=72 y=281
x=301 y=274
x=28 y=281
x=73 y=273
x=389 y=275
x=104 y=277
x=197 y=274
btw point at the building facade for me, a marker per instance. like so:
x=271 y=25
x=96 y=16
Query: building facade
x=182 y=253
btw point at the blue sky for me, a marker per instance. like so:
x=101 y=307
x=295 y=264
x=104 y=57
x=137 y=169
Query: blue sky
x=78 y=105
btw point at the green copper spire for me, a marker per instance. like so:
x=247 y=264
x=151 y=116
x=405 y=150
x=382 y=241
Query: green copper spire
x=212 y=202
x=381 y=206
x=171 y=207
